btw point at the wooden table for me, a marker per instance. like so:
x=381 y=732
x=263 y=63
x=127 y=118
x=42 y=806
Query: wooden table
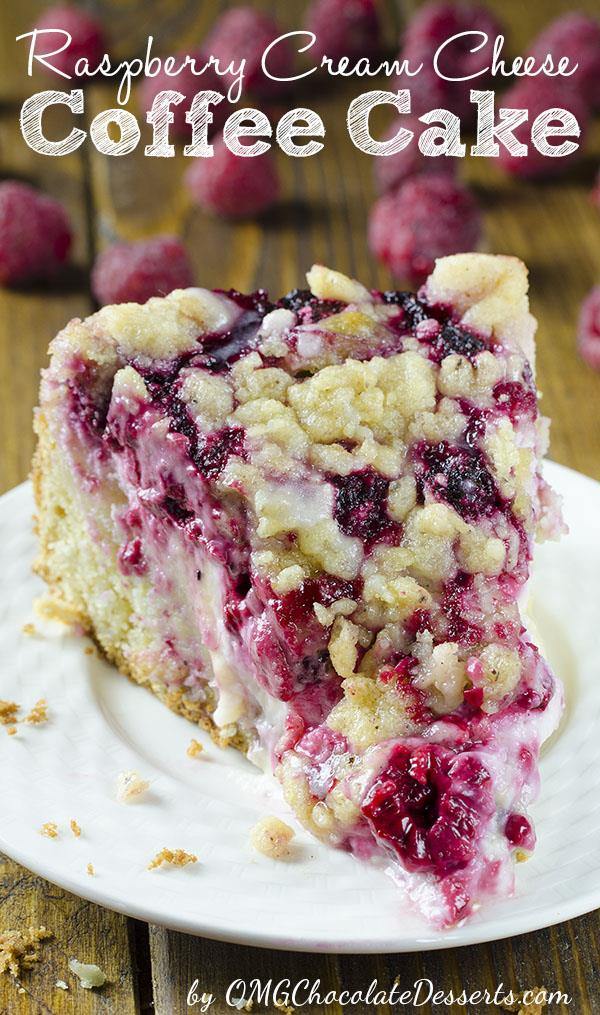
x=553 y=227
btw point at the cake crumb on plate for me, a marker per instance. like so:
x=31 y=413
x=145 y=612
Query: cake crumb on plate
x=75 y=828
x=271 y=837
x=90 y=869
x=8 y=712
x=195 y=748
x=130 y=785
x=39 y=713
x=173 y=857
x=49 y=829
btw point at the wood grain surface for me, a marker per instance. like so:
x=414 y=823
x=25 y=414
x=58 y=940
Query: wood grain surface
x=322 y=216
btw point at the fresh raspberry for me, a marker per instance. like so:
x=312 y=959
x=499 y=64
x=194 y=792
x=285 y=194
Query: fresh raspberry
x=343 y=28
x=233 y=185
x=243 y=33
x=35 y=234
x=588 y=331
x=577 y=36
x=87 y=37
x=392 y=170
x=133 y=272
x=188 y=83
x=536 y=95
x=431 y=26
x=429 y=216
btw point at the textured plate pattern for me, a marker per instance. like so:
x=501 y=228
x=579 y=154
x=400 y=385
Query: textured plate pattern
x=100 y=724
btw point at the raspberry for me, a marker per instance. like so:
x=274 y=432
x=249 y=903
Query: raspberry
x=576 y=36
x=35 y=234
x=392 y=170
x=133 y=272
x=432 y=25
x=233 y=185
x=243 y=33
x=588 y=332
x=537 y=95
x=343 y=28
x=188 y=83
x=429 y=216
x=360 y=504
x=87 y=38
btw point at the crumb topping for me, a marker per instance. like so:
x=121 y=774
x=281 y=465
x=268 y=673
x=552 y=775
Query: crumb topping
x=39 y=713
x=19 y=950
x=76 y=830
x=129 y=786
x=50 y=830
x=90 y=869
x=8 y=712
x=272 y=837
x=172 y=858
x=194 y=749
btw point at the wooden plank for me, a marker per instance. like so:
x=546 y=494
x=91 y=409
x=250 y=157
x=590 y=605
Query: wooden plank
x=563 y=958
x=80 y=930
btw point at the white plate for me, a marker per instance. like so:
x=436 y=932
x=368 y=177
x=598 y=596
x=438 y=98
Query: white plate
x=101 y=724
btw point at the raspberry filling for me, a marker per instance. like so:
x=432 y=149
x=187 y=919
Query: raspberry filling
x=431 y=806
x=360 y=505
x=459 y=476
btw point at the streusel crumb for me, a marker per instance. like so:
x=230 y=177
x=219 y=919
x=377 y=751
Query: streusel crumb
x=90 y=870
x=130 y=785
x=195 y=748
x=61 y=985
x=29 y=629
x=173 y=857
x=19 y=949
x=50 y=830
x=11 y=730
x=8 y=712
x=272 y=837
x=39 y=713
x=75 y=828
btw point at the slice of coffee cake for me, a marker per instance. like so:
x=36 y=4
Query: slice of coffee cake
x=307 y=525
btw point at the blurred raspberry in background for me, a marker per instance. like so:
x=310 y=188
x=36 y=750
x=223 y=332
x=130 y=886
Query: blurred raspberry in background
x=133 y=272
x=427 y=217
x=35 y=234
x=87 y=37
x=233 y=185
x=343 y=28
x=588 y=331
